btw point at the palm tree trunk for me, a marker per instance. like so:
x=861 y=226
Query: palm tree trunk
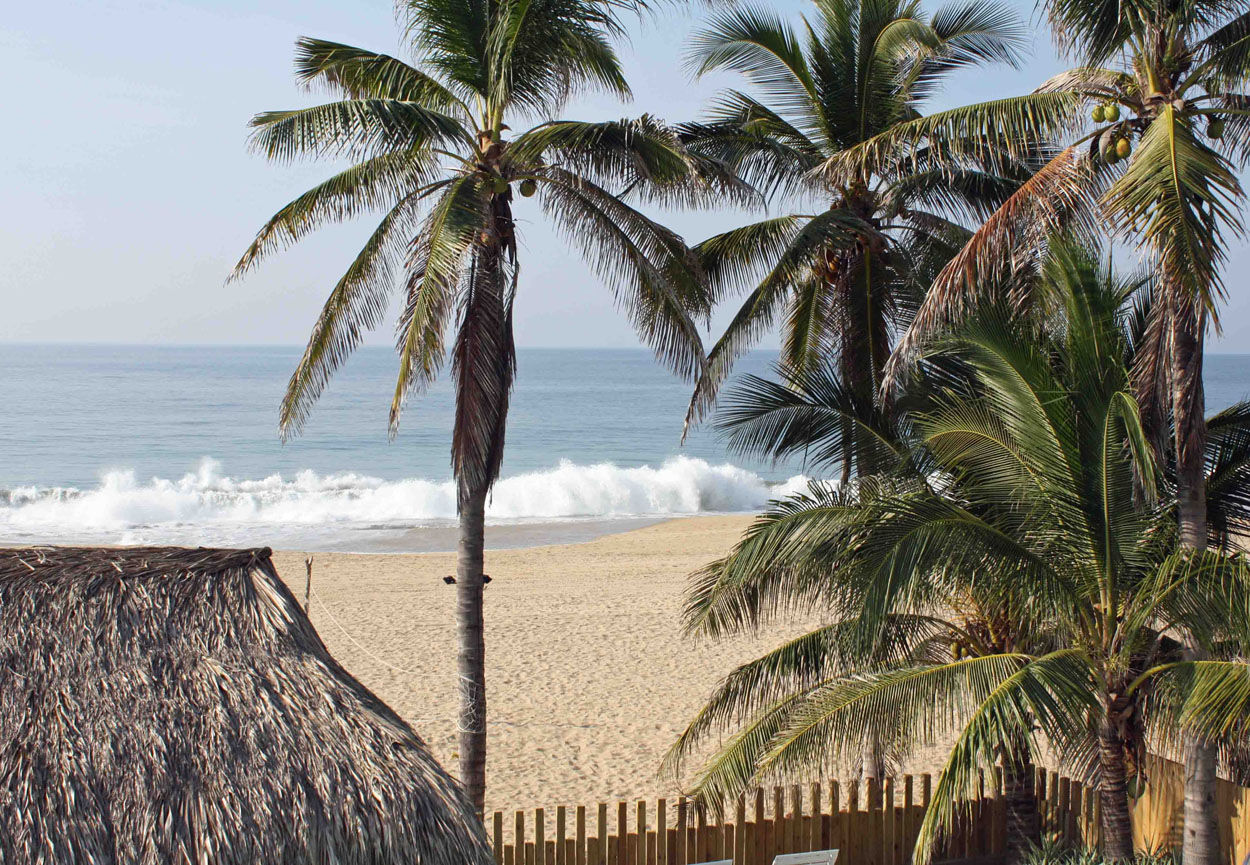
x=471 y=656
x=1023 y=827
x=1117 y=821
x=1201 y=841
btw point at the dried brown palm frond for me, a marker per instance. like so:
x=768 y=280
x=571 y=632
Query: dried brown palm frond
x=174 y=705
x=1059 y=195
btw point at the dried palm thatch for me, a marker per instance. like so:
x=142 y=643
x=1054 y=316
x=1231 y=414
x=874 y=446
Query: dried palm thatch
x=167 y=705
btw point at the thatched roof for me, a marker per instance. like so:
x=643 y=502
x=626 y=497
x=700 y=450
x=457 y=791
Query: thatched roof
x=167 y=705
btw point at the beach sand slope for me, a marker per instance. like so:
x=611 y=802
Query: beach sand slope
x=589 y=678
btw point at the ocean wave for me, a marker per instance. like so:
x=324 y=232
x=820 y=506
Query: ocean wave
x=209 y=506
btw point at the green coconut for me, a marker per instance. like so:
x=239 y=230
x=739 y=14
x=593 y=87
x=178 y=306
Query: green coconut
x=528 y=187
x=1098 y=114
x=1215 y=128
x=1111 y=113
x=501 y=186
x=1106 y=146
x=1123 y=148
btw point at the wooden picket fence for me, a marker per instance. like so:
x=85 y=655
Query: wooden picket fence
x=870 y=823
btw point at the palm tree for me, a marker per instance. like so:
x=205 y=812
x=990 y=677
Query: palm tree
x=1024 y=507
x=848 y=272
x=429 y=147
x=1174 y=77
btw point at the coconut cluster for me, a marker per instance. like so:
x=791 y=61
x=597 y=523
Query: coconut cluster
x=1106 y=112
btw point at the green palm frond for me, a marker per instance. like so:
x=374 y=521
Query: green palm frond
x=435 y=270
x=805 y=413
x=353 y=128
x=1052 y=691
x=360 y=74
x=805 y=663
x=355 y=305
x=732 y=255
x=985 y=131
x=1228 y=475
x=1180 y=195
x=370 y=185
x=758 y=43
x=652 y=272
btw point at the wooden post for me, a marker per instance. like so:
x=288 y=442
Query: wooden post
x=540 y=838
x=622 y=834
x=561 y=832
x=835 y=817
x=518 y=836
x=601 y=839
x=702 y=843
x=889 y=839
x=1065 y=801
x=876 y=830
x=815 y=838
x=641 y=823
x=579 y=848
x=794 y=824
x=740 y=832
x=854 y=837
x=779 y=821
x=998 y=839
x=308 y=563
x=661 y=832
x=909 y=818
x=497 y=837
x=760 y=852
x=683 y=808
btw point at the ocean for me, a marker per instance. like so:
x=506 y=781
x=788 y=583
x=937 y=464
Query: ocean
x=172 y=444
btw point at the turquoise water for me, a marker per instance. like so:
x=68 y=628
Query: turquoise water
x=124 y=444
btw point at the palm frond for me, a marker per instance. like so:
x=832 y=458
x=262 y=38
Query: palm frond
x=354 y=129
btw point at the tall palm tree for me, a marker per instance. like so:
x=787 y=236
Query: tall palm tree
x=430 y=147
x=847 y=269
x=1173 y=75
x=1024 y=509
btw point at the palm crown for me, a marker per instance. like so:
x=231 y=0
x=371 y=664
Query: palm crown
x=430 y=148
x=843 y=276
x=1016 y=573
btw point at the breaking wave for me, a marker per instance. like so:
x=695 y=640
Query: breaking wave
x=313 y=511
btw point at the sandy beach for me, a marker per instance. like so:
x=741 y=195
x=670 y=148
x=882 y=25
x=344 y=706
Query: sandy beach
x=589 y=677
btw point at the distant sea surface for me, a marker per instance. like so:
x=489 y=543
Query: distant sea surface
x=127 y=444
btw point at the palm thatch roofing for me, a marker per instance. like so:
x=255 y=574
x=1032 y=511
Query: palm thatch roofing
x=166 y=705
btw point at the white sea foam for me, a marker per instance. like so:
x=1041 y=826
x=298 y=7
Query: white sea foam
x=311 y=510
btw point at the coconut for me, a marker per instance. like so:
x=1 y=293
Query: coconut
x=501 y=186
x=1123 y=148
x=1097 y=114
x=528 y=187
x=1215 y=128
x=1106 y=146
x=1111 y=112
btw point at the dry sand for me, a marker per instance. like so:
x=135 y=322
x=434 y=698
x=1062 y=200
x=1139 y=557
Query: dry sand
x=589 y=679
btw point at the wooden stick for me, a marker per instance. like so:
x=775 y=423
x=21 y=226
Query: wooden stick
x=308 y=563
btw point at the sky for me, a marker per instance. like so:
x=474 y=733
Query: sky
x=129 y=190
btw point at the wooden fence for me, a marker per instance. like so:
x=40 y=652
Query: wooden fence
x=870 y=823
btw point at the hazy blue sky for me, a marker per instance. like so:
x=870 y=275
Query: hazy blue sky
x=129 y=192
